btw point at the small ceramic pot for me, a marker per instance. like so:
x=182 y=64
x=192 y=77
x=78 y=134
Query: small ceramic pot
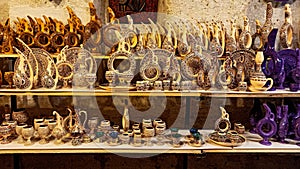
x=166 y=84
x=20 y=115
x=140 y=86
x=186 y=85
x=136 y=126
x=105 y=125
x=147 y=84
x=242 y=86
x=294 y=87
x=175 y=85
x=125 y=138
x=137 y=139
x=159 y=130
x=155 y=122
x=149 y=132
x=158 y=85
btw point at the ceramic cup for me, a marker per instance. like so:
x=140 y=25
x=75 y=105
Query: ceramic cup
x=140 y=86
x=166 y=84
x=158 y=85
x=175 y=85
x=242 y=86
x=186 y=85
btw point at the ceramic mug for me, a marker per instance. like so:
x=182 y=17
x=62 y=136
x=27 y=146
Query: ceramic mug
x=140 y=86
x=258 y=83
x=242 y=86
x=158 y=85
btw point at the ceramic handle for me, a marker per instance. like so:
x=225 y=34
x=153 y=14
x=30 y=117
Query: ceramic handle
x=271 y=83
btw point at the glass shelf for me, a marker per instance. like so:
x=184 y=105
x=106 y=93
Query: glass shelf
x=116 y=92
x=251 y=145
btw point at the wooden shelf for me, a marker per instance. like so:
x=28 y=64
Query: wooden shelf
x=251 y=145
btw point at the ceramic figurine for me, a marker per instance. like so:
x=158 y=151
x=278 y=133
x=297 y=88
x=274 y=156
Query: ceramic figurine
x=273 y=65
x=245 y=39
x=283 y=124
x=286 y=30
x=268 y=120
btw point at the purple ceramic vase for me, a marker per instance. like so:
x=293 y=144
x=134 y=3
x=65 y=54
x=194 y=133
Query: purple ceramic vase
x=283 y=125
x=267 y=126
x=290 y=63
x=273 y=65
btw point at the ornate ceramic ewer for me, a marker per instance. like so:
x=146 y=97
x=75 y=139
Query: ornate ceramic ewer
x=92 y=29
x=267 y=27
x=85 y=69
x=24 y=77
x=273 y=64
x=286 y=30
x=72 y=123
x=245 y=40
x=267 y=126
x=257 y=41
x=58 y=132
x=258 y=80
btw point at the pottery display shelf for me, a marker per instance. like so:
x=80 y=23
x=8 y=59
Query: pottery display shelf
x=115 y=92
x=251 y=145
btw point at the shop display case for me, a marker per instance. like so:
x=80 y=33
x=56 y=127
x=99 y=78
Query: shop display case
x=188 y=79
